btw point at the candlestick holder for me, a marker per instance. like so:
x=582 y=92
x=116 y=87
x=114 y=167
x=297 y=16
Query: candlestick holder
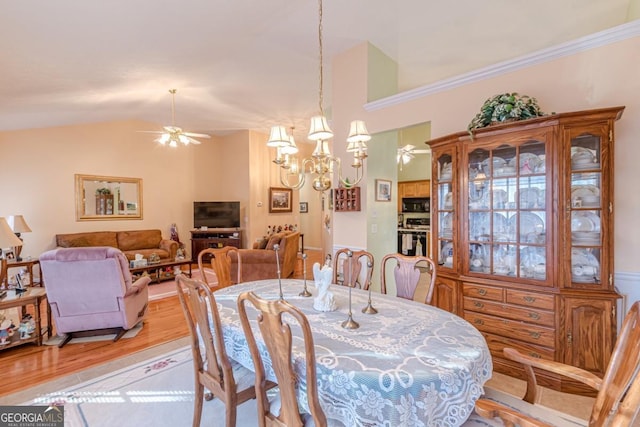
x=276 y=248
x=369 y=309
x=305 y=292
x=350 y=323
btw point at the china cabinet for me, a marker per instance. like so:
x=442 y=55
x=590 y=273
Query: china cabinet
x=522 y=219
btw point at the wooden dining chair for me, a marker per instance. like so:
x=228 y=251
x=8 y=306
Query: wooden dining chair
x=225 y=379
x=407 y=271
x=278 y=339
x=220 y=260
x=359 y=260
x=617 y=402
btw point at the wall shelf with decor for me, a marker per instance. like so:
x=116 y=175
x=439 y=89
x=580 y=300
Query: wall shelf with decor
x=346 y=199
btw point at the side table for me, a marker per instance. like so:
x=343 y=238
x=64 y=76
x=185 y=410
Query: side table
x=29 y=264
x=32 y=296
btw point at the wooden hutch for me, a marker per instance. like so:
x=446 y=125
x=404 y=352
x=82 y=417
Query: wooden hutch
x=522 y=225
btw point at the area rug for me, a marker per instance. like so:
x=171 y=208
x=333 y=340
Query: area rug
x=57 y=339
x=156 y=392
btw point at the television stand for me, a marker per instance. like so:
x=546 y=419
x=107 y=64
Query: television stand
x=214 y=238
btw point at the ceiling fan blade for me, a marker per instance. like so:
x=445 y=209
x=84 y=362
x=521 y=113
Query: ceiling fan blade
x=421 y=151
x=193 y=141
x=150 y=131
x=196 y=135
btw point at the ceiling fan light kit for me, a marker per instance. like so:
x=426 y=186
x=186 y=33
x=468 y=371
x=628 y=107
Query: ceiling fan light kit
x=173 y=135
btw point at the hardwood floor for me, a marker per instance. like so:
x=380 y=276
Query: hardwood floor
x=29 y=365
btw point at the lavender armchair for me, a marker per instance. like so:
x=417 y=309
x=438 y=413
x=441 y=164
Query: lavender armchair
x=91 y=292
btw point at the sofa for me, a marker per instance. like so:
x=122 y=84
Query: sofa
x=260 y=262
x=133 y=242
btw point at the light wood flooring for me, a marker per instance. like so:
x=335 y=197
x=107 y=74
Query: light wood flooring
x=28 y=365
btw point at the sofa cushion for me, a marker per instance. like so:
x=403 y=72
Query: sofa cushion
x=273 y=240
x=138 y=239
x=96 y=238
x=262 y=244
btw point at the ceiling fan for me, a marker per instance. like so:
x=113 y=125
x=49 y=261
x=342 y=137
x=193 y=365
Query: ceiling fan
x=408 y=152
x=173 y=135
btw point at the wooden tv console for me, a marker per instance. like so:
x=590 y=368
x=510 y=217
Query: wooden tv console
x=214 y=238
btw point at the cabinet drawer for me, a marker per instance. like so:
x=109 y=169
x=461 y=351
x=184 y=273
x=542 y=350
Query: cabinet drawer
x=497 y=343
x=481 y=291
x=529 y=315
x=518 y=330
x=530 y=299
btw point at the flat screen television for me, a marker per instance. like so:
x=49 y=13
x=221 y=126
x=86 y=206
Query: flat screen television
x=216 y=214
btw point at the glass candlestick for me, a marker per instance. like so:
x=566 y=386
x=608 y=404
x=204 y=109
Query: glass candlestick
x=305 y=292
x=369 y=309
x=276 y=248
x=350 y=323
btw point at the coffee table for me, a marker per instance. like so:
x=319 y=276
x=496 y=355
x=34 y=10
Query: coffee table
x=159 y=267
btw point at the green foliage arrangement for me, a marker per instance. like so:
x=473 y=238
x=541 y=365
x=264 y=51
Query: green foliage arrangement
x=103 y=190
x=504 y=108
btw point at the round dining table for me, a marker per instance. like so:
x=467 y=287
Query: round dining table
x=410 y=364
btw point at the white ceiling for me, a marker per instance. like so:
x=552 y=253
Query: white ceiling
x=249 y=64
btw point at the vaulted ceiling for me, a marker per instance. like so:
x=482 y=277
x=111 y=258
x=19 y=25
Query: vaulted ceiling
x=245 y=64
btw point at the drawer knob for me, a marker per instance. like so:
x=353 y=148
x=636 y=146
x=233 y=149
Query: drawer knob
x=529 y=299
x=482 y=292
x=478 y=304
x=534 y=315
x=478 y=322
x=535 y=335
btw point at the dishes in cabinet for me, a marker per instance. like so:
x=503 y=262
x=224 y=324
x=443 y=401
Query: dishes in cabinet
x=585 y=267
x=585 y=196
x=529 y=198
x=504 y=171
x=500 y=227
x=529 y=163
x=448 y=200
x=445 y=172
x=586 y=221
x=583 y=158
x=447 y=225
x=500 y=199
x=446 y=254
x=533 y=262
x=498 y=164
x=531 y=227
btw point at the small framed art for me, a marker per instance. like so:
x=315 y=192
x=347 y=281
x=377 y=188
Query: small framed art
x=280 y=199
x=304 y=207
x=383 y=190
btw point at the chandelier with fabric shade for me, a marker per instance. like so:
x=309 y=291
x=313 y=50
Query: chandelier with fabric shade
x=321 y=163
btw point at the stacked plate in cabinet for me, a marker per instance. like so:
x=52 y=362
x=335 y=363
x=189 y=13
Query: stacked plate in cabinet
x=585 y=228
x=585 y=267
x=583 y=158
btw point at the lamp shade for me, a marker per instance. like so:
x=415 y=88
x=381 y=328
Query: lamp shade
x=319 y=129
x=18 y=224
x=290 y=148
x=278 y=137
x=358 y=132
x=8 y=238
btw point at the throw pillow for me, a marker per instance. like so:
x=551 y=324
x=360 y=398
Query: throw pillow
x=275 y=239
x=262 y=244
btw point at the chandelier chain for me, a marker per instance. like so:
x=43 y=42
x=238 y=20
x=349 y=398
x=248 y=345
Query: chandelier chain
x=173 y=106
x=320 y=89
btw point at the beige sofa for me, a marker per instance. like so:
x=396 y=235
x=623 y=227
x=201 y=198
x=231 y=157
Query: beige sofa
x=133 y=242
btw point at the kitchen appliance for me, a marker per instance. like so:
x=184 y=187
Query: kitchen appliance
x=412 y=238
x=415 y=204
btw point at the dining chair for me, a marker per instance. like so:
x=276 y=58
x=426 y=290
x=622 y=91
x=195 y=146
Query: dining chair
x=617 y=402
x=359 y=260
x=278 y=339
x=220 y=260
x=225 y=379
x=407 y=274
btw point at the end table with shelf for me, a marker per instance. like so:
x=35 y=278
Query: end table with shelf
x=32 y=296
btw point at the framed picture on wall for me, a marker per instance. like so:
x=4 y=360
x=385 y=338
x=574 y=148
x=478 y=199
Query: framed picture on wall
x=383 y=190
x=304 y=207
x=280 y=199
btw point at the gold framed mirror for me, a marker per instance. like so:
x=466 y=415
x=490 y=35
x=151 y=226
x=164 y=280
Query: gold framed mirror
x=108 y=197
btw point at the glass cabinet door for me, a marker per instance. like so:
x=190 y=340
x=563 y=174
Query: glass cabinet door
x=444 y=208
x=586 y=207
x=507 y=202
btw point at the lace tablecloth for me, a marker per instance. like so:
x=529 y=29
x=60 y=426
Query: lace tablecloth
x=409 y=365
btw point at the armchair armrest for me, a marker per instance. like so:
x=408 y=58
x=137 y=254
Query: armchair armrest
x=259 y=256
x=489 y=409
x=568 y=371
x=170 y=246
x=138 y=286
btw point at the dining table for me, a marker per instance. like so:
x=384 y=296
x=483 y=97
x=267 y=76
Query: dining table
x=411 y=364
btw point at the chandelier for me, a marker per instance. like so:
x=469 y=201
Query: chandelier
x=322 y=162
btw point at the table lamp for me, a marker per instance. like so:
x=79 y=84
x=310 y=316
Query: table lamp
x=7 y=240
x=18 y=225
